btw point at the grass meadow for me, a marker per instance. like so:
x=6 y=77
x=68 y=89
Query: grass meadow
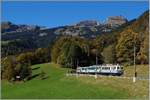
x=57 y=85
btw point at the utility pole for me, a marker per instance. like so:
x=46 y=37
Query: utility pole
x=77 y=62
x=135 y=73
x=88 y=50
x=71 y=63
x=76 y=68
x=96 y=58
x=96 y=64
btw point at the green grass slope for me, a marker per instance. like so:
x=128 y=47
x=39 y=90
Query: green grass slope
x=58 y=85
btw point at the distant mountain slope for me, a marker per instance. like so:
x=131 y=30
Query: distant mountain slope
x=40 y=37
x=142 y=23
x=8 y=26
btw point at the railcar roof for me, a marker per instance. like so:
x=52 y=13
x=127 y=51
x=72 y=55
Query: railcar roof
x=104 y=65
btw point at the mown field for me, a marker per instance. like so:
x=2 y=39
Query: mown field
x=58 y=85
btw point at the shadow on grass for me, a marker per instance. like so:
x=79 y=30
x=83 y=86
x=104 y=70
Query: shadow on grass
x=44 y=77
x=34 y=76
x=38 y=76
x=35 y=68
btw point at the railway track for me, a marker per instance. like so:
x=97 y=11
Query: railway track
x=110 y=76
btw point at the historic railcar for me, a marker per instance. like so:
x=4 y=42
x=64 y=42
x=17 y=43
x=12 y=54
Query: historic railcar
x=101 y=69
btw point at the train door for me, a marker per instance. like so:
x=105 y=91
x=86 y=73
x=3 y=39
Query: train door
x=113 y=69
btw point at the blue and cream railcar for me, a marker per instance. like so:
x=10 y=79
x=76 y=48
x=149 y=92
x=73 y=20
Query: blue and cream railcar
x=101 y=69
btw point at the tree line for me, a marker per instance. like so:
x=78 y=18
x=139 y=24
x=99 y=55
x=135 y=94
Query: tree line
x=19 y=67
x=72 y=52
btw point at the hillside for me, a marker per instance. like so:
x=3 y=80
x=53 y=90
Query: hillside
x=26 y=38
x=118 y=45
x=57 y=85
x=21 y=38
x=135 y=34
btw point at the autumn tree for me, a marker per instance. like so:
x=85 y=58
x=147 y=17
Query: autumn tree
x=70 y=52
x=143 y=54
x=23 y=70
x=109 y=54
x=125 y=46
x=8 y=65
x=42 y=55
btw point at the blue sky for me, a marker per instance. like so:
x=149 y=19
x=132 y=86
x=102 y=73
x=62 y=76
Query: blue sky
x=52 y=14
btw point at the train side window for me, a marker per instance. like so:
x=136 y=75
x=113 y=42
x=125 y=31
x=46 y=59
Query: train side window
x=107 y=68
x=117 y=67
x=83 y=68
x=113 y=68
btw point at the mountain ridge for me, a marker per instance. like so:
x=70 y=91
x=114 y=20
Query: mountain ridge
x=43 y=37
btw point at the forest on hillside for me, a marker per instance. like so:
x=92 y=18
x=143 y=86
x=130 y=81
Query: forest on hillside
x=116 y=46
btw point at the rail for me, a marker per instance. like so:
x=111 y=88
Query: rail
x=110 y=76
